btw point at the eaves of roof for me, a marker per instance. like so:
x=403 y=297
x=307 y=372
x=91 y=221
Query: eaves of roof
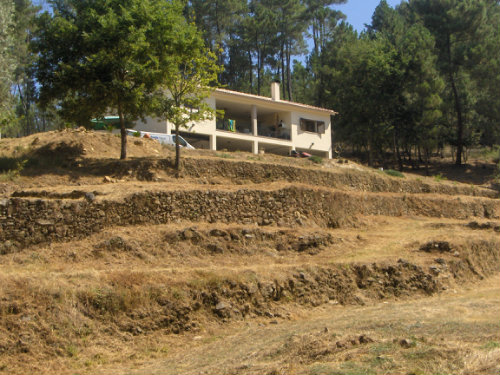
x=224 y=93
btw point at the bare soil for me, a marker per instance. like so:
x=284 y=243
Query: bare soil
x=388 y=292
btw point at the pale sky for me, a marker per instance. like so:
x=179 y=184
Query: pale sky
x=359 y=12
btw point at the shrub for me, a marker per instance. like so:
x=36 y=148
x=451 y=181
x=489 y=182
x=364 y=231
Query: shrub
x=439 y=177
x=11 y=168
x=394 y=173
x=316 y=159
x=224 y=156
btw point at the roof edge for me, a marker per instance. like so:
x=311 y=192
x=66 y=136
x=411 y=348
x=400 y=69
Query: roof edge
x=270 y=100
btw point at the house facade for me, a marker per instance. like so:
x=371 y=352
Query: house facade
x=257 y=124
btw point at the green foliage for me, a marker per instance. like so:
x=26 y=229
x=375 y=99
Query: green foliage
x=461 y=30
x=72 y=350
x=394 y=173
x=224 y=155
x=97 y=56
x=491 y=345
x=11 y=168
x=256 y=158
x=188 y=72
x=364 y=77
x=439 y=177
x=316 y=159
x=7 y=61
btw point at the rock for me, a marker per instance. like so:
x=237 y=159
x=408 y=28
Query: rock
x=25 y=318
x=222 y=306
x=191 y=234
x=434 y=269
x=218 y=233
x=108 y=179
x=354 y=341
x=440 y=261
x=214 y=248
x=90 y=197
x=439 y=246
x=223 y=309
x=363 y=339
x=406 y=343
x=341 y=344
x=137 y=330
x=44 y=222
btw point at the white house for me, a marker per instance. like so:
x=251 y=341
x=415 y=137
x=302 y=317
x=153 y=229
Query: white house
x=253 y=123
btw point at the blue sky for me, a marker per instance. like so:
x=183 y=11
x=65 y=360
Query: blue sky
x=359 y=12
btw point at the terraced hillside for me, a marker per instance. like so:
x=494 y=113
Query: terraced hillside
x=248 y=265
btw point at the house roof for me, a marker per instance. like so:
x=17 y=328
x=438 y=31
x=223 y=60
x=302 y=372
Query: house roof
x=264 y=99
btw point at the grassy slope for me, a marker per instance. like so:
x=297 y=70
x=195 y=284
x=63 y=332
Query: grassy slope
x=95 y=306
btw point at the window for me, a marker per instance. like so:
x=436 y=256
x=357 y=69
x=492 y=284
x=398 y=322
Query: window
x=312 y=126
x=182 y=142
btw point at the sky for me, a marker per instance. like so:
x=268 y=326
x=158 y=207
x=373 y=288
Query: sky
x=359 y=12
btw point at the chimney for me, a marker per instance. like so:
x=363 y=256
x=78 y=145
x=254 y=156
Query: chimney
x=275 y=90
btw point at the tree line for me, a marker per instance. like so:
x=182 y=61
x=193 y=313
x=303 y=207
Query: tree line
x=423 y=75
x=86 y=59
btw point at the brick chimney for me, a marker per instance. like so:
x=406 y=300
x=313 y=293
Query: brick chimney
x=275 y=90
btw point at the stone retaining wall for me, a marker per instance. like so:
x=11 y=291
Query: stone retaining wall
x=345 y=179
x=30 y=221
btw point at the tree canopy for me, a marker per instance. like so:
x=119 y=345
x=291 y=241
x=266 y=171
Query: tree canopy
x=103 y=56
x=7 y=65
x=188 y=72
x=423 y=74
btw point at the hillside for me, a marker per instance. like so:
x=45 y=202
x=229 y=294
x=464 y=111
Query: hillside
x=246 y=264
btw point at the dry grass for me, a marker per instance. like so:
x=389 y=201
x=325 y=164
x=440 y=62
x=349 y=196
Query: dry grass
x=82 y=312
x=143 y=299
x=448 y=335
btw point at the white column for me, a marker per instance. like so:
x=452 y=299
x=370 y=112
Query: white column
x=254 y=119
x=167 y=127
x=213 y=142
x=255 y=147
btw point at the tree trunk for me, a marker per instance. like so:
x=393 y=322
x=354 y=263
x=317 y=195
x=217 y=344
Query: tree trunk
x=177 y=152
x=399 y=160
x=250 y=65
x=282 y=55
x=460 y=125
x=370 y=153
x=410 y=160
x=458 y=106
x=288 y=72
x=123 y=132
x=426 y=152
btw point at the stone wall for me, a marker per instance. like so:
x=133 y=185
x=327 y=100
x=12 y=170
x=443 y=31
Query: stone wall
x=346 y=179
x=26 y=221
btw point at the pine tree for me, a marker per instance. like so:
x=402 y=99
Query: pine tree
x=455 y=25
x=7 y=60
